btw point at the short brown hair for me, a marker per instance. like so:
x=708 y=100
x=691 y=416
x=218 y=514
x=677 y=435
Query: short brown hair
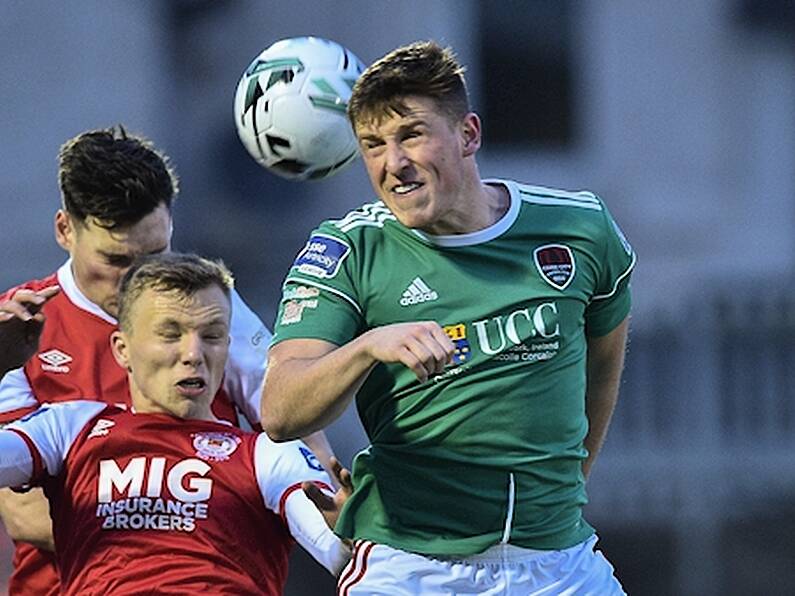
x=423 y=69
x=114 y=177
x=184 y=274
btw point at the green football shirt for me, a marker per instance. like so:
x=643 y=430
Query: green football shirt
x=490 y=450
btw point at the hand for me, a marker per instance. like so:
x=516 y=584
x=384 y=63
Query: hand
x=21 y=323
x=329 y=506
x=422 y=346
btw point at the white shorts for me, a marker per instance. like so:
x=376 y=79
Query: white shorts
x=504 y=570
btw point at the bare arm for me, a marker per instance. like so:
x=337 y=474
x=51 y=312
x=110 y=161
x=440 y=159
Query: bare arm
x=604 y=366
x=310 y=382
x=26 y=517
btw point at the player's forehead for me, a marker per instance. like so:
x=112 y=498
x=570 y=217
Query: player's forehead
x=150 y=235
x=405 y=112
x=207 y=306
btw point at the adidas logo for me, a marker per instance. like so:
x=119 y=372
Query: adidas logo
x=417 y=293
x=55 y=361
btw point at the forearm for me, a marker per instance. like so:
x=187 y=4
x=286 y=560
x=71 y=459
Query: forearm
x=605 y=364
x=309 y=529
x=26 y=517
x=601 y=402
x=303 y=395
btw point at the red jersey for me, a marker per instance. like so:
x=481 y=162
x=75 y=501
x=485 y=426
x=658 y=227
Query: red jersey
x=150 y=502
x=74 y=361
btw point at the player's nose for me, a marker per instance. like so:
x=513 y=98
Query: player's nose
x=191 y=349
x=396 y=159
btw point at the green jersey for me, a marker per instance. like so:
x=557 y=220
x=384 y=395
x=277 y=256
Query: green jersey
x=490 y=450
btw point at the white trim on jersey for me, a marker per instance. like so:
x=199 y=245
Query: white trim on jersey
x=371 y=214
x=618 y=280
x=495 y=230
x=53 y=429
x=16 y=460
x=66 y=280
x=336 y=292
x=543 y=195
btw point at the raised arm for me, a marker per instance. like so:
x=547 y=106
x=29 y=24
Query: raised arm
x=604 y=366
x=310 y=382
x=21 y=325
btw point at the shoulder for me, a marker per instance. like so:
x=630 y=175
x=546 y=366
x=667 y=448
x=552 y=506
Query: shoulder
x=33 y=284
x=369 y=216
x=567 y=200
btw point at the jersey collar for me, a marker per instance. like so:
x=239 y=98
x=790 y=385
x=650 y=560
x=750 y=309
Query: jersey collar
x=66 y=279
x=486 y=234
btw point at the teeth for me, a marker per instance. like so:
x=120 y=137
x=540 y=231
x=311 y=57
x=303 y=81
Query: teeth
x=405 y=188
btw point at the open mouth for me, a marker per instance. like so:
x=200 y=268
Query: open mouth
x=192 y=385
x=403 y=189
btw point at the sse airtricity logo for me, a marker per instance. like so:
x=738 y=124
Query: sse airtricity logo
x=322 y=256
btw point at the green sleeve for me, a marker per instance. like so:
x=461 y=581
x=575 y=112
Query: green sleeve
x=611 y=301
x=319 y=298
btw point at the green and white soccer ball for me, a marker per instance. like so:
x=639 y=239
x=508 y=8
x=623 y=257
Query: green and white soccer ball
x=290 y=107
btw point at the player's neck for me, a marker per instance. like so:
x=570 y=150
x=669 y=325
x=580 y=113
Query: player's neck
x=483 y=206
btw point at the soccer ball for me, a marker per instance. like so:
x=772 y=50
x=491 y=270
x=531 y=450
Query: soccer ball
x=290 y=108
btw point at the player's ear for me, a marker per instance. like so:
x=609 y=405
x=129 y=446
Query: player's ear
x=64 y=230
x=118 y=345
x=470 y=134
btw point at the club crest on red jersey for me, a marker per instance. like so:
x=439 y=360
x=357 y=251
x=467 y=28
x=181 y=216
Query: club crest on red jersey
x=555 y=263
x=215 y=446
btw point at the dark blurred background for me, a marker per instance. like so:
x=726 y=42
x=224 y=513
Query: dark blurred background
x=680 y=114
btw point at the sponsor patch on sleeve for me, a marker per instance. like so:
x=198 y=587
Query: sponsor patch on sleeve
x=322 y=256
x=311 y=459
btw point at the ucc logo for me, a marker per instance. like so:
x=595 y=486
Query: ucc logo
x=129 y=482
x=504 y=331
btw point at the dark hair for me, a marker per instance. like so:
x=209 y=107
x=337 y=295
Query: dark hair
x=423 y=69
x=183 y=274
x=114 y=177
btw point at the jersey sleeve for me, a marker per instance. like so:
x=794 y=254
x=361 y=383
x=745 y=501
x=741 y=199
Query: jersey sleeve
x=319 y=297
x=248 y=356
x=282 y=467
x=51 y=430
x=16 y=396
x=18 y=459
x=611 y=301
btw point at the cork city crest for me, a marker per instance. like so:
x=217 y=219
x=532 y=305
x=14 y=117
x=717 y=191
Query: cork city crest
x=215 y=446
x=555 y=263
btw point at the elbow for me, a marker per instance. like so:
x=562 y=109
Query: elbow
x=275 y=426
